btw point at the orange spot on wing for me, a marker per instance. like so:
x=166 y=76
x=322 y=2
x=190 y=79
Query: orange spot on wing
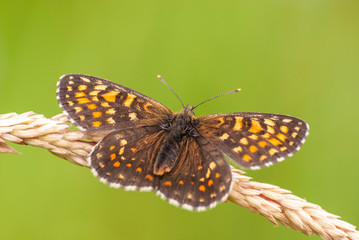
x=253 y=149
x=272 y=151
x=146 y=105
x=105 y=104
x=139 y=169
x=210 y=182
x=283 y=149
x=91 y=106
x=238 y=125
x=270 y=130
x=96 y=124
x=237 y=149
x=82 y=87
x=133 y=116
x=112 y=147
x=85 y=79
x=263 y=157
x=113 y=156
x=83 y=100
x=128 y=101
x=110 y=96
x=274 y=141
x=78 y=109
x=121 y=150
x=111 y=111
x=218 y=175
x=208 y=174
x=94 y=93
x=116 y=164
x=256 y=127
x=284 y=129
x=181 y=182
x=212 y=165
x=221 y=121
x=262 y=144
x=224 y=136
x=168 y=184
x=96 y=114
x=129 y=165
x=100 y=87
x=110 y=120
x=202 y=188
x=244 y=141
x=246 y=158
x=281 y=137
x=149 y=177
x=266 y=135
x=253 y=137
x=269 y=122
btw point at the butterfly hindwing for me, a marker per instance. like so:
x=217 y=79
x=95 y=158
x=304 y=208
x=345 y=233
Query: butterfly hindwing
x=124 y=158
x=254 y=140
x=201 y=178
x=96 y=104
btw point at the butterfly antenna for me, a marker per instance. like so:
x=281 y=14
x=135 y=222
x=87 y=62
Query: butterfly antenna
x=220 y=95
x=162 y=80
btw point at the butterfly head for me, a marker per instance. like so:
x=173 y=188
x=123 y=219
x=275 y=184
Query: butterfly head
x=186 y=115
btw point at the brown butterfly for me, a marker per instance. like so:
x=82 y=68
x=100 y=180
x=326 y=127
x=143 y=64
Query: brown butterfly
x=179 y=156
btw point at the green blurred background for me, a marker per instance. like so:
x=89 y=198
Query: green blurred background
x=292 y=57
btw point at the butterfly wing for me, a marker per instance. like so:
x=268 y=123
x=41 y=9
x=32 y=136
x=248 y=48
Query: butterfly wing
x=254 y=140
x=200 y=179
x=124 y=158
x=96 y=104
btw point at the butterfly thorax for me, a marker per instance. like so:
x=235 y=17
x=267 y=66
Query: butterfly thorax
x=180 y=126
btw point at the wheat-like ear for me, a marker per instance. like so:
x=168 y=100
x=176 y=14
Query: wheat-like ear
x=272 y=202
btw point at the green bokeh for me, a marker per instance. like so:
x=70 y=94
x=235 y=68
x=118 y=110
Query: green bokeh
x=293 y=57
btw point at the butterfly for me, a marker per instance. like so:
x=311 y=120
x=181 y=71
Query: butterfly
x=178 y=155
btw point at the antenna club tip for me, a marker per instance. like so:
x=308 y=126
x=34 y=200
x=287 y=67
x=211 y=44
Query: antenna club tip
x=159 y=76
x=238 y=90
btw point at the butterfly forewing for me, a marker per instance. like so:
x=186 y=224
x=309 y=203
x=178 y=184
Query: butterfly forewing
x=254 y=140
x=96 y=104
x=201 y=179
